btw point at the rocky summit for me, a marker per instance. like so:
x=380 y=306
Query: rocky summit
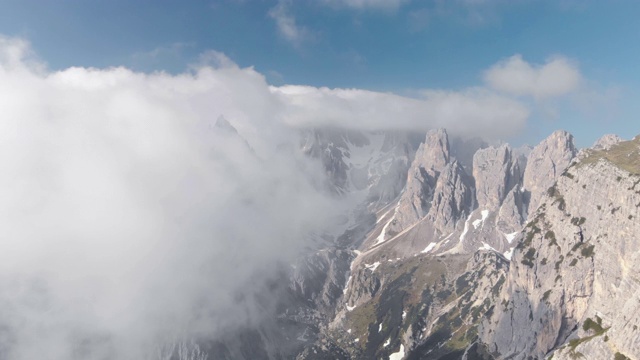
x=461 y=250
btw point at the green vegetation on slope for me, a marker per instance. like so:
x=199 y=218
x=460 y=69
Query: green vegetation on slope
x=625 y=155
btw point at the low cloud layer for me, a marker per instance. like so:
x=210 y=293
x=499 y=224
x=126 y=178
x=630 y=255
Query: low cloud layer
x=557 y=77
x=130 y=217
x=468 y=113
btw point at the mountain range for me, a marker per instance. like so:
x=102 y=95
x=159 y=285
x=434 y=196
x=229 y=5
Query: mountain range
x=457 y=249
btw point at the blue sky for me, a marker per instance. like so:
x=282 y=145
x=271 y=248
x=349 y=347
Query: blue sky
x=400 y=46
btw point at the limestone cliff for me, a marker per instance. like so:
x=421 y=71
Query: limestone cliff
x=572 y=288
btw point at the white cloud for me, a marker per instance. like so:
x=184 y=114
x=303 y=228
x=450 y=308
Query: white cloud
x=127 y=216
x=367 y=4
x=558 y=76
x=287 y=25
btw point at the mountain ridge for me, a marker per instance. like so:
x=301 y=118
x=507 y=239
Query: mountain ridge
x=441 y=252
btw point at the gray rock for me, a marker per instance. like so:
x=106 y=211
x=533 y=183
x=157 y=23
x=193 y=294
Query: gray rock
x=545 y=164
x=576 y=265
x=495 y=174
x=430 y=159
x=606 y=142
x=452 y=199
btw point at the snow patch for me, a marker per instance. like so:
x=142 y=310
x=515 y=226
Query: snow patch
x=476 y=223
x=356 y=340
x=404 y=315
x=428 y=248
x=349 y=331
x=386 y=343
x=486 y=246
x=380 y=327
x=350 y=308
x=511 y=236
x=373 y=266
x=466 y=229
x=380 y=239
x=508 y=254
x=485 y=214
x=459 y=247
x=397 y=355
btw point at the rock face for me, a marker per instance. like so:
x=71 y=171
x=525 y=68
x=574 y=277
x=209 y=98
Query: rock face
x=445 y=213
x=375 y=163
x=572 y=287
x=545 y=163
x=431 y=158
x=452 y=198
x=427 y=306
x=495 y=174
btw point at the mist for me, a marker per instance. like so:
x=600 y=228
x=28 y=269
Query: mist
x=129 y=218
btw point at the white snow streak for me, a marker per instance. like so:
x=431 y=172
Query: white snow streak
x=466 y=229
x=380 y=239
x=428 y=248
x=373 y=266
x=383 y=215
x=346 y=285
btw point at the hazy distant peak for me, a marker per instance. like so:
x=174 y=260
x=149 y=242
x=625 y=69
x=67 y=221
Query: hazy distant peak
x=225 y=125
x=606 y=141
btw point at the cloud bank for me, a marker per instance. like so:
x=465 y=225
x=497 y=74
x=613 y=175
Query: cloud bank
x=129 y=217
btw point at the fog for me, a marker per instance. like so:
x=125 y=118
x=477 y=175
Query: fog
x=129 y=218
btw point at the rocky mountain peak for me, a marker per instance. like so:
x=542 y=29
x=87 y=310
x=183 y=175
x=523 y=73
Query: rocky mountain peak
x=435 y=151
x=431 y=158
x=606 y=142
x=495 y=173
x=452 y=198
x=545 y=163
x=224 y=125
